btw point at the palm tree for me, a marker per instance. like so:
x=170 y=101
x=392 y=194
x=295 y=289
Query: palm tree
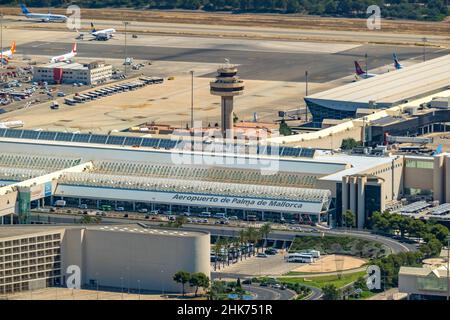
x=217 y=250
x=242 y=240
x=265 y=230
x=237 y=247
x=252 y=236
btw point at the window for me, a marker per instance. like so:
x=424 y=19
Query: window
x=419 y=164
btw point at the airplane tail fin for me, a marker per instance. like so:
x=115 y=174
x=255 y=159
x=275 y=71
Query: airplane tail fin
x=92 y=27
x=438 y=150
x=24 y=9
x=74 y=48
x=359 y=70
x=13 y=47
x=396 y=62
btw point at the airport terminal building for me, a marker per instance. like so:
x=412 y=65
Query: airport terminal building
x=382 y=91
x=305 y=185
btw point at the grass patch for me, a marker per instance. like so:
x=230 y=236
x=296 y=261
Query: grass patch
x=320 y=282
x=343 y=245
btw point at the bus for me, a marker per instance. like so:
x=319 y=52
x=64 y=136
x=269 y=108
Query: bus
x=106 y=207
x=251 y=217
x=300 y=257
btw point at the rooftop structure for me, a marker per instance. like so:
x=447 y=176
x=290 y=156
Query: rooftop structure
x=382 y=91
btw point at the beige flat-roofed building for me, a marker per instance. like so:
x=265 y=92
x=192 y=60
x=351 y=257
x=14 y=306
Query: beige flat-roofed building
x=126 y=257
x=63 y=72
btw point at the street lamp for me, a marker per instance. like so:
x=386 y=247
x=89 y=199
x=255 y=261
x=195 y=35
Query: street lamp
x=126 y=23
x=365 y=57
x=121 y=285
x=306 y=94
x=424 y=40
x=1 y=35
x=139 y=289
x=192 y=99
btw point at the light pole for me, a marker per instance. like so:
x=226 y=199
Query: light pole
x=139 y=289
x=126 y=23
x=121 y=285
x=424 y=40
x=306 y=94
x=192 y=99
x=365 y=57
x=1 y=35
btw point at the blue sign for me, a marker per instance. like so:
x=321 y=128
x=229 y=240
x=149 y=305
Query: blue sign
x=47 y=189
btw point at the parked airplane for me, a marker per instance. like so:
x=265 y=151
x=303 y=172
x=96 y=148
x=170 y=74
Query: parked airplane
x=397 y=64
x=104 y=34
x=44 y=17
x=66 y=57
x=100 y=35
x=362 y=74
x=5 y=56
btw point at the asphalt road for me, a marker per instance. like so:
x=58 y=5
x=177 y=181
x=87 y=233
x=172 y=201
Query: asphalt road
x=288 y=235
x=268 y=293
x=275 y=66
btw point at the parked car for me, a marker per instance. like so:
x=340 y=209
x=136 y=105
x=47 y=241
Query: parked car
x=233 y=218
x=154 y=212
x=186 y=214
x=83 y=206
x=271 y=251
x=172 y=218
x=261 y=255
x=120 y=209
x=143 y=210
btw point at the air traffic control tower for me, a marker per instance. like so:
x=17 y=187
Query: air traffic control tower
x=227 y=85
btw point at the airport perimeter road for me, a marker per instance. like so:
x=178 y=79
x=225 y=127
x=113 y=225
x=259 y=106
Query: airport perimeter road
x=268 y=293
x=226 y=231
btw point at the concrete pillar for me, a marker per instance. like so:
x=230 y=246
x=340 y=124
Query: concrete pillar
x=262 y=215
x=361 y=205
x=12 y=218
x=97 y=203
x=344 y=196
x=227 y=116
x=3 y=222
x=134 y=206
x=438 y=179
x=353 y=199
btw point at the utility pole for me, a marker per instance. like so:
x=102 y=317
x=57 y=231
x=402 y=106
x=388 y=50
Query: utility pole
x=126 y=23
x=306 y=94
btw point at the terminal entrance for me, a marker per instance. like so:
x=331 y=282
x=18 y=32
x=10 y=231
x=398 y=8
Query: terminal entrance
x=164 y=208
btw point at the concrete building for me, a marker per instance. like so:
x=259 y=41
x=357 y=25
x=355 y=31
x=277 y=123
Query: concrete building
x=429 y=282
x=227 y=85
x=264 y=182
x=382 y=91
x=63 y=72
x=126 y=257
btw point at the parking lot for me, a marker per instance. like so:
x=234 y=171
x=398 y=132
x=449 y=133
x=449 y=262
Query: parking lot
x=257 y=266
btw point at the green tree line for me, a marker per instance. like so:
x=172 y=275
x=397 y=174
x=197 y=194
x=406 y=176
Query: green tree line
x=404 y=9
